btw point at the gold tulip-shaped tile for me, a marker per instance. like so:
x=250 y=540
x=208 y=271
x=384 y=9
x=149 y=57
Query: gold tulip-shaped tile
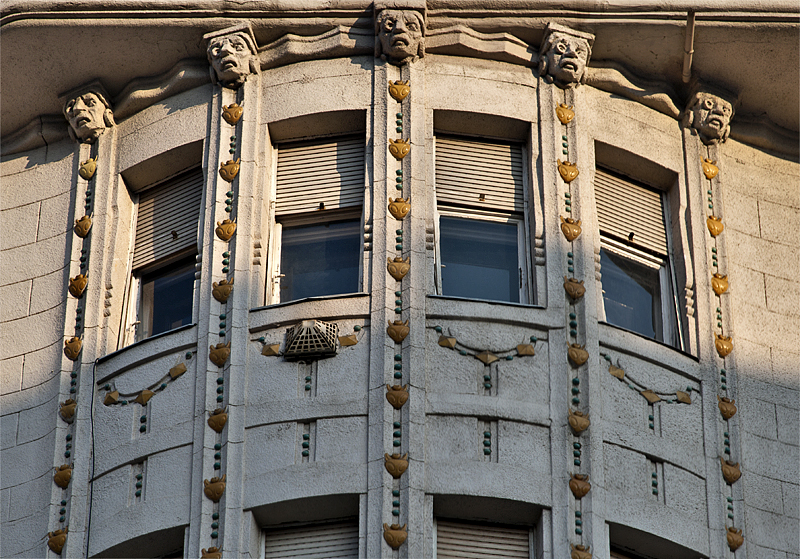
x=571 y=228
x=395 y=535
x=574 y=288
x=399 y=148
x=217 y=419
x=397 y=395
x=232 y=113
x=724 y=345
x=229 y=170
x=88 y=168
x=719 y=284
x=734 y=537
x=399 y=208
x=399 y=90
x=67 y=410
x=398 y=330
x=714 y=224
x=727 y=407
x=72 y=348
x=577 y=354
x=211 y=553
x=578 y=421
x=564 y=113
x=222 y=290
x=710 y=170
x=730 y=471
x=77 y=285
x=395 y=464
x=579 y=485
x=57 y=539
x=219 y=354
x=398 y=268
x=214 y=488
x=63 y=475
x=568 y=171
x=580 y=552
x=226 y=229
x=82 y=226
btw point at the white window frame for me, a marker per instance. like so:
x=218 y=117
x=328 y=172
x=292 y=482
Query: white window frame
x=521 y=219
x=320 y=217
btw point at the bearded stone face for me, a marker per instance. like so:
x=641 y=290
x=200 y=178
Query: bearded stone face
x=566 y=59
x=711 y=117
x=400 y=34
x=230 y=56
x=86 y=114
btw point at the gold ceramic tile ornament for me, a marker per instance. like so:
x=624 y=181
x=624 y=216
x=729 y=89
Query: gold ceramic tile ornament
x=72 y=348
x=616 y=372
x=211 y=553
x=399 y=148
x=397 y=395
x=710 y=170
x=571 y=228
x=67 y=410
x=525 y=350
x=226 y=229
x=683 y=397
x=399 y=208
x=568 y=171
x=399 y=90
x=650 y=396
x=395 y=464
x=730 y=471
x=734 y=537
x=63 y=475
x=447 y=342
x=214 y=488
x=232 y=113
x=144 y=397
x=57 y=539
x=719 y=284
x=723 y=344
x=727 y=407
x=577 y=354
x=395 y=535
x=487 y=357
x=271 y=350
x=398 y=330
x=219 y=354
x=564 y=113
x=229 y=170
x=88 y=168
x=578 y=421
x=177 y=370
x=714 y=224
x=82 y=226
x=579 y=485
x=574 y=288
x=217 y=419
x=580 y=552
x=77 y=285
x=348 y=340
x=111 y=398
x=222 y=290
x=398 y=268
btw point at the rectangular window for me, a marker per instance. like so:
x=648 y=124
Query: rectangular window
x=312 y=541
x=164 y=250
x=318 y=234
x=480 y=197
x=637 y=281
x=458 y=539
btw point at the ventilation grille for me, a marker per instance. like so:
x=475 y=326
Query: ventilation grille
x=479 y=174
x=330 y=173
x=311 y=338
x=461 y=540
x=336 y=540
x=625 y=207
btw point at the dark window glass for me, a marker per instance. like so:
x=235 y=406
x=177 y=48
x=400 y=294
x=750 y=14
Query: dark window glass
x=480 y=259
x=632 y=295
x=167 y=296
x=320 y=259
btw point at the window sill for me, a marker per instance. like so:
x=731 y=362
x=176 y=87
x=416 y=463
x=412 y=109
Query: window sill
x=626 y=341
x=329 y=307
x=443 y=306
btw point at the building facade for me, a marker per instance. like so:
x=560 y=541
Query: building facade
x=400 y=279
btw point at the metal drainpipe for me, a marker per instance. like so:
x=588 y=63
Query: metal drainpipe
x=688 y=47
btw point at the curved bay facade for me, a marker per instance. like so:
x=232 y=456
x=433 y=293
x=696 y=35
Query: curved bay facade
x=399 y=280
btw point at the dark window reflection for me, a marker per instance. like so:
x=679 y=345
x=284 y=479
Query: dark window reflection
x=320 y=259
x=167 y=296
x=480 y=259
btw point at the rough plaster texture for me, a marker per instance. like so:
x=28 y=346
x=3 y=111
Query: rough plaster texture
x=346 y=414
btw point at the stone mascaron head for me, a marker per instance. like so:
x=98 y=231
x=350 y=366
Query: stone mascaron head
x=232 y=55
x=400 y=30
x=88 y=112
x=564 y=55
x=710 y=114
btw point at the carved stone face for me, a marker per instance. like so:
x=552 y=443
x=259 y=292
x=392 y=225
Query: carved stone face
x=87 y=116
x=400 y=34
x=566 y=59
x=711 y=117
x=230 y=56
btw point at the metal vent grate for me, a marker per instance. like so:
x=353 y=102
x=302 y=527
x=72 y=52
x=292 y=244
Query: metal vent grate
x=311 y=338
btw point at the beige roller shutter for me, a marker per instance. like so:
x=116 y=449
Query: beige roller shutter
x=315 y=541
x=329 y=172
x=167 y=218
x=467 y=171
x=462 y=540
x=625 y=207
